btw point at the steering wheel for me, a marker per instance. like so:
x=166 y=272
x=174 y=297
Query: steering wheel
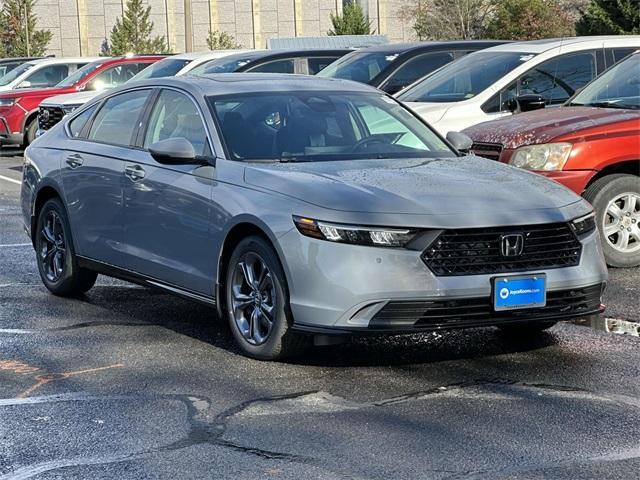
x=366 y=141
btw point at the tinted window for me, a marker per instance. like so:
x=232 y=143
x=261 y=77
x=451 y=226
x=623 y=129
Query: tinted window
x=15 y=73
x=276 y=66
x=321 y=126
x=116 y=75
x=116 y=121
x=556 y=80
x=465 y=78
x=220 y=66
x=359 y=67
x=415 y=68
x=317 y=64
x=77 y=124
x=48 y=76
x=7 y=67
x=80 y=74
x=620 y=53
x=164 y=68
x=175 y=116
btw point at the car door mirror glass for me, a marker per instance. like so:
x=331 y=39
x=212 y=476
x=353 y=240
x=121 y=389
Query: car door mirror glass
x=174 y=151
x=528 y=102
x=460 y=141
x=25 y=84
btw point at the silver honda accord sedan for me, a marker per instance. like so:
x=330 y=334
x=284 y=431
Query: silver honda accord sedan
x=304 y=209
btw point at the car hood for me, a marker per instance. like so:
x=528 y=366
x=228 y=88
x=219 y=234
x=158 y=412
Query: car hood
x=28 y=92
x=458 y=185
x=76 y=98
x=543 y=126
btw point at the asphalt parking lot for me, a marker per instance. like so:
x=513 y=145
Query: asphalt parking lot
x=131 y=383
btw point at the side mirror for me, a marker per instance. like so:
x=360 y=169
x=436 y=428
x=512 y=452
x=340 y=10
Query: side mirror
x=529 y=101
x=460 y=141
x=174 y=151
x=24 y=84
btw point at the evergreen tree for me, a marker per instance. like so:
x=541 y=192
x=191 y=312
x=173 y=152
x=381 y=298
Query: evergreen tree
x=351 y=22
x=19 y=36
x=132 y=33
x=610 y=17
x=529 y=20
x=218 y=40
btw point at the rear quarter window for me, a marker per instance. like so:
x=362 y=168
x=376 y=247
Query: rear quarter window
x=76 y=125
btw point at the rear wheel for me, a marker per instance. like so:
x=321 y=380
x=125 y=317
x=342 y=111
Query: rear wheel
x=257 y=302
x=57 y=264
x=616 y=199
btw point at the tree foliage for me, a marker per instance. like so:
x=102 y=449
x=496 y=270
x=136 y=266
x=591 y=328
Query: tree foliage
x=448 y=19
x=19 y=36
x=132 y=33
x=351 y=22
x=529 y=20
x=610 y=17
x=218 y=40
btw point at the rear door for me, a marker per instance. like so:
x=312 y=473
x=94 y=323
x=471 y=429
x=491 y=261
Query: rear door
x=94 y=174
x=167 y=207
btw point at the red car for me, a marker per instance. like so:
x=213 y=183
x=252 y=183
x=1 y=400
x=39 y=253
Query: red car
x=19 y=108
x=591 y=145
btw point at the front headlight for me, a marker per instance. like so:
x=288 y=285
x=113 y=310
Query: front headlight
x=7 y=102
x=372 y=236
x=548 y=156
x=584 y=224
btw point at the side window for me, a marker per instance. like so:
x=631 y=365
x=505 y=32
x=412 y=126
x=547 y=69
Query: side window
x=319 y=63
x=116 y=121
x=175 y=116
x=416 y=68
x=557 y=79
x=620 y=53
x=77 y=124
x=276 y=66
x=48 y=76
x=114 y=76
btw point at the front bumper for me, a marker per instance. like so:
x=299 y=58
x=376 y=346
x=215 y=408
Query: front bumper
x=340 y=288
x=576 y=180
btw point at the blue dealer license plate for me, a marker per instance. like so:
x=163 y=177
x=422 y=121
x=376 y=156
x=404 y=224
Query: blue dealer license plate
x=524 y=291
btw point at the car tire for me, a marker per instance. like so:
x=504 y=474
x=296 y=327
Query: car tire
x=30 y=133
x=257 y=302
x=603 y=194
x=525 y=329
x=57 y=264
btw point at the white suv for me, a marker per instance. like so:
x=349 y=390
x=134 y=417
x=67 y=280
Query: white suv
x=514 y=77
x=43 y=72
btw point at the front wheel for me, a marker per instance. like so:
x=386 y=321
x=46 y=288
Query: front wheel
x=30 y=133
x=57 y=263
x=257 y=302
x=616 y=199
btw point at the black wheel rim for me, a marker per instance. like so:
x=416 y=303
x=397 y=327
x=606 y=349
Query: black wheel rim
x=53 y=247
x=253 y=298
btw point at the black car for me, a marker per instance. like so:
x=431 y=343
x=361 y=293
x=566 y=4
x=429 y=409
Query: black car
x=394 y=66
x=307 y=61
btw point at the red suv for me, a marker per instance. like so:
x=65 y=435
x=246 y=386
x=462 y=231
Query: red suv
x=591 y=145
x=19 y=108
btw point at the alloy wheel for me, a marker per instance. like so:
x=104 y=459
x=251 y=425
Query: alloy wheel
x=253 y=298
x=621 y=222
x=53 y=249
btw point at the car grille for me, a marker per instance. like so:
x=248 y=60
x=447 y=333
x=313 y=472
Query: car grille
x=477 y=251
x=470 y=312
x=49 y=119
x=491 y=151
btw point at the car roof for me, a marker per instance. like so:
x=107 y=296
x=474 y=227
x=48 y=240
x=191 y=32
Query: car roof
x=19 y=59
x=213 y=54
x=53 y=61
x=539 y=46
x=407 y=47
x=285 y=52
x=232 y=83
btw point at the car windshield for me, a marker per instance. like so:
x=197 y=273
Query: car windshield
x=220 y=66
x=358 y=66
x=464 y=78
x=15 y=73
x=321 y=126
x=80 y=74
x=164 y=68
x=618 y=87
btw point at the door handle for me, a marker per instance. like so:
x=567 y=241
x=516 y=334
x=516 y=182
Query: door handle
x=134 y=172
x=74 y=160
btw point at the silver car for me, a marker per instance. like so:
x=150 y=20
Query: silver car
x=303 y=209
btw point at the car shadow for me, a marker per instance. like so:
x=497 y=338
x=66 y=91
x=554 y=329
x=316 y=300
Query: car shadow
x=142 y=306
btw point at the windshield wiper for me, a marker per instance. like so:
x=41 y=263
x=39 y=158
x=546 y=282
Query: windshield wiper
x=609 y=104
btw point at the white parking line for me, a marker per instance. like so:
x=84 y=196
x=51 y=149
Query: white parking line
x=12 y=180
